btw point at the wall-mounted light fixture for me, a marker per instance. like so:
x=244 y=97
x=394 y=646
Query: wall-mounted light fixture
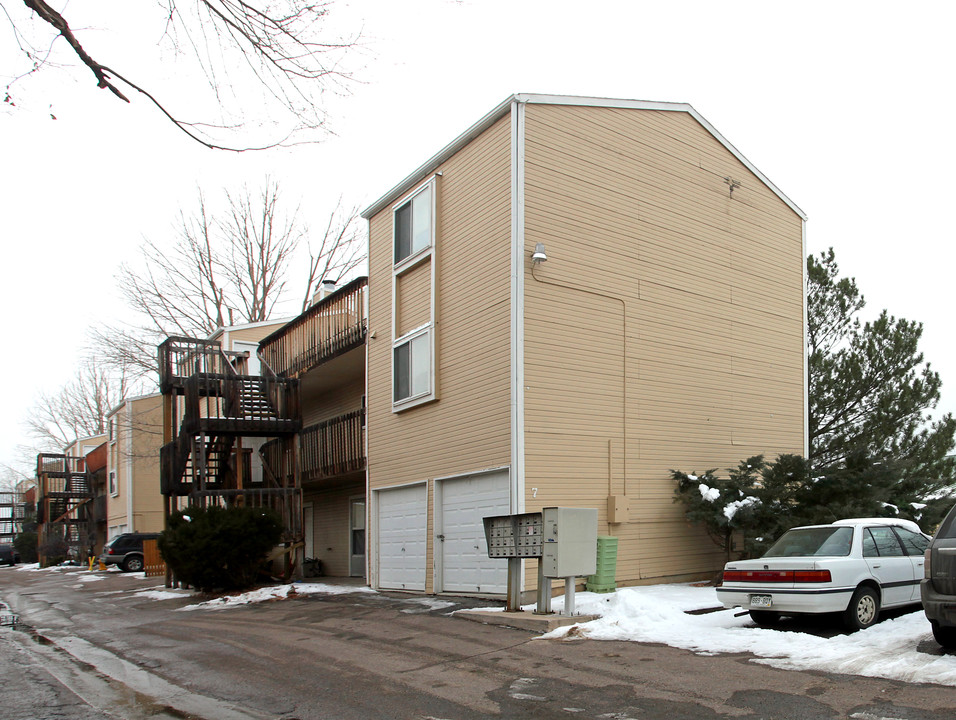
x=539 y=254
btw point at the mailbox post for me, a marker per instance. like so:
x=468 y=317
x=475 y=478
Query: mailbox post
x=563 y=539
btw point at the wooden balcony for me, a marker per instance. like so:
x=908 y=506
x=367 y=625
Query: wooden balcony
x=328 y=449
x=241 y=405
x=331 y=327
x=181 y=358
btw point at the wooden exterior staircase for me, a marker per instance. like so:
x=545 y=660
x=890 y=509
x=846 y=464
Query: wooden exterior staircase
x=64 y=506
x=210 y=405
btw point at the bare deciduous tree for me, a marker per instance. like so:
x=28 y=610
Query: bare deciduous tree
x=335 y=255
x=279 y=56
x=78 y=409
x=220 y=271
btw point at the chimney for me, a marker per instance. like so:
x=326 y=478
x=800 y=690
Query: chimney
x=327 y=287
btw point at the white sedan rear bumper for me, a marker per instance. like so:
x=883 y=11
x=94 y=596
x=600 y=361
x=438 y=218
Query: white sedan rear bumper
x=788 y=600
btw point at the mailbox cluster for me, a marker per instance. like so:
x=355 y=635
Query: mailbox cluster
x=565 y=539
x=514 y=536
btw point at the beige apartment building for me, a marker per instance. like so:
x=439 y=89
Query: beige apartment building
x=575 y=297
x=135 y=434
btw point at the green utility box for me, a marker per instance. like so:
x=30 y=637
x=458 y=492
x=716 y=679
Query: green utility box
x=604 y=578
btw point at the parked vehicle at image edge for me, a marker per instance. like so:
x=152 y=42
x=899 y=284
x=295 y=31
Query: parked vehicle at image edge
x=854 y=567
x=938 y=587
x=8 y=555
x=126 y=550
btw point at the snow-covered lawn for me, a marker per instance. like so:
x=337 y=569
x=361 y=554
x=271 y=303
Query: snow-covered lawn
x=659 y=614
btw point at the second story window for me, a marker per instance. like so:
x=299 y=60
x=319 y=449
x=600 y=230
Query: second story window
x=412 y=367
x=414 y=225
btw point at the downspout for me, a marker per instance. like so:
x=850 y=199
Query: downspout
x=517 y=307
x=128 y=450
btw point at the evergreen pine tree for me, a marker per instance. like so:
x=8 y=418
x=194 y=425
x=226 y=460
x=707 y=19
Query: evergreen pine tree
x=871 y=396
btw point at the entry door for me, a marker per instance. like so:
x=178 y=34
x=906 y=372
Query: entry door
x=401 y=537
x=308 y=530
x=357 y=537
x=465 y=502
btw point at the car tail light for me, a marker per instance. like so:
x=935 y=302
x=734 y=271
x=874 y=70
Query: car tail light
x=782 y=576
x=927 y=570
x=814 y=576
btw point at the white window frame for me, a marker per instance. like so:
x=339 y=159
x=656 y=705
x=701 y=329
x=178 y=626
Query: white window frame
x=425 y=254
x=113 y=486
x=428 y=393
x=416 y=256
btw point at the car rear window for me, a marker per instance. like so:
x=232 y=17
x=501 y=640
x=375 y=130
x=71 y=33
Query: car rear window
x=813 y=542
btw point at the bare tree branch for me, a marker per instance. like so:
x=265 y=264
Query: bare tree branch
x=78 y=409
x=221 y=271
x=282 y=50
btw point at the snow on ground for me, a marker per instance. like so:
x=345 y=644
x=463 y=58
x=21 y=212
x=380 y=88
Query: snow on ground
x=657 y=614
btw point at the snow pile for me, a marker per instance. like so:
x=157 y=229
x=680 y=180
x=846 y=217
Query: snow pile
x=658 y=614
x=708 y=493
x=276 y=592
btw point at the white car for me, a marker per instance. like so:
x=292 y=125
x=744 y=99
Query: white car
x=854 y=567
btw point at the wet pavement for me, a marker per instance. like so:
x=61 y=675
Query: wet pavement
x=122 y=646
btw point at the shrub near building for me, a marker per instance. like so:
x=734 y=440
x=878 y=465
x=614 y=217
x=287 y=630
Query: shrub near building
x=219 y=548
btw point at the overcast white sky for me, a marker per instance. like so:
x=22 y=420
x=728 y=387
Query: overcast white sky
x=847 y=107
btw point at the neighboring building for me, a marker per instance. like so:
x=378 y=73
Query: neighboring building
x=324 y=351
x=92 y=450
x=573 y=298
x=66 y=507
x=135 y=434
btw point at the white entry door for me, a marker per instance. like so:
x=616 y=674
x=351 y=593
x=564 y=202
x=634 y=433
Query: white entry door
x=465 y=501
x=401 y=537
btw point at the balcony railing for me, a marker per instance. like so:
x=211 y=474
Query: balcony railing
x=60 y=465
x=333 y=447
x=182 y=357
x=327 y=449
x=332 y=326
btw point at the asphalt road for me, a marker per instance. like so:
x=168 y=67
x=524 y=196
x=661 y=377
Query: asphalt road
x=97 y=648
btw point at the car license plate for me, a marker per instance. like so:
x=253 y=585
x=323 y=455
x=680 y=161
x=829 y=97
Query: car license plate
x=761 y=601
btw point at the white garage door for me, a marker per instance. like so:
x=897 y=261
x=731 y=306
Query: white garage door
x=401 y=538
x=465 y=565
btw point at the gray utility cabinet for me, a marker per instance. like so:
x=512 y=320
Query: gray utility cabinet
x=569 y=547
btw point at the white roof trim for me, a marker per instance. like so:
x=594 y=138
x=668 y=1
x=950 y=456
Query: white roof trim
x=503 y=108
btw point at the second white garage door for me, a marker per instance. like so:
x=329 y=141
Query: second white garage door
x=465 y=565
x=401 y=538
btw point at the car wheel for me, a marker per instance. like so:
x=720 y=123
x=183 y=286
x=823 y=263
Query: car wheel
x=863 y=610
x=945 y=636
x=765 y=618
x=133 y=564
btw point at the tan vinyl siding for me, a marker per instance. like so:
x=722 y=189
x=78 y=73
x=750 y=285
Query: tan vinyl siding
x=468 y=428
x=332 y=401
x=330 y=518
x=665 y=330
x=254 y=334
x=139 y=435
x=413 y=296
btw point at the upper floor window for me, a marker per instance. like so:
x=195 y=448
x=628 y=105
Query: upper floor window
x=411 y=366
x=414 y=226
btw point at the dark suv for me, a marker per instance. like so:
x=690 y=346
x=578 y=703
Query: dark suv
x=9 y=554
x=126 y=550
x=938 y=589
